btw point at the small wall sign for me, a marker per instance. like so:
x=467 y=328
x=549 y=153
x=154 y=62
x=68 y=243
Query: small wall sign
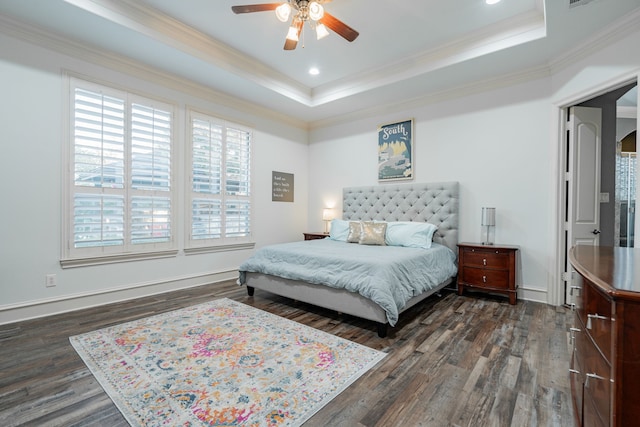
x=281 y=187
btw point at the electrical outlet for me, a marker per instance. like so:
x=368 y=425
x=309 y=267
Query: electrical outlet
x=50 y=280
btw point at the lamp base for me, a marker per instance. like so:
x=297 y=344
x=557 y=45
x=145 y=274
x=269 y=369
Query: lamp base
x=487 y=235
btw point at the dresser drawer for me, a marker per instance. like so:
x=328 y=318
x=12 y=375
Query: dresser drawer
x=594 y=311
x=485 y=278
x=596 y=373
x=576 y=378
x=491 y=258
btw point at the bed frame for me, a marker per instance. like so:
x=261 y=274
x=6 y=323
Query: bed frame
x=436 y=203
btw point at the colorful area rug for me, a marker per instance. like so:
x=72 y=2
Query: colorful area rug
x=222 y=363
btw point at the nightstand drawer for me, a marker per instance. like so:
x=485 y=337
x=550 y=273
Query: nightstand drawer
x=486 y=258
x=486 y=278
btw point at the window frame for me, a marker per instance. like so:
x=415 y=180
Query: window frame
x=79 y=256
x=224 y=243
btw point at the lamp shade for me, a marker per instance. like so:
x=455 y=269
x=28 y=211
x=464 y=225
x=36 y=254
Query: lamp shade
x=321 y=31
x=316 y=11
x=488 y=216
x=292 y=34
x=327 y=214
x=283 y=11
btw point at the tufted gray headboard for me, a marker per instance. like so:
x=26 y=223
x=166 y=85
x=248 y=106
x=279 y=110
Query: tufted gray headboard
x=434 y=202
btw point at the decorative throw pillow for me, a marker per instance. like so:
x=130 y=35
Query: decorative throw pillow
x=354 y=232
x=372 y=233
x=410 y=234
x=339 y=230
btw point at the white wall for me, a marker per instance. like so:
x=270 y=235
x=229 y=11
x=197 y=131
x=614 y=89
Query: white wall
x=502 y=146
x=493 y=144
x=31 y=134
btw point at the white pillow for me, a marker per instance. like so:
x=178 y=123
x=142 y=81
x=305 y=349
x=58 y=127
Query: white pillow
x=339 y=230
x=410 y=234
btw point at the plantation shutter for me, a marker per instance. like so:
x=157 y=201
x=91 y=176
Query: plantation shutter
x=206 y=220
x=237 y=204
x=121 y=154
x=220 y=184
x=150 y=175
x=99 y=144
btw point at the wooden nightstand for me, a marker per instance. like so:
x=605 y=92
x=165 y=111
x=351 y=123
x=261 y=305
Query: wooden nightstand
x=488 y=268
x=313 y=236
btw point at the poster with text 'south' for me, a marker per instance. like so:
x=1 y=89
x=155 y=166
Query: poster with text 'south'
x=395 y=151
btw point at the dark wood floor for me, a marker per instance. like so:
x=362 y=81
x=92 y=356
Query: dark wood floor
x=452 y=361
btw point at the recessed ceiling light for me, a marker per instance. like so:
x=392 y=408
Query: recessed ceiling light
x=492 y=1
x=314 y=71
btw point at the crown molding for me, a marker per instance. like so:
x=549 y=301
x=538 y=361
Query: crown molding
x=627 y=112
x=610 y=34
x=456 y=51
x=510 y=32
x=120 y=63
x=145 y=20
x=480 y=86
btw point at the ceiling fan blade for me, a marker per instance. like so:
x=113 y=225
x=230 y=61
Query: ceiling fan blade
x=291 y=44
x=339 y=27
x=249 y=8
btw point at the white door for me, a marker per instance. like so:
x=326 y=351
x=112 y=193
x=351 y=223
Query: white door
x=583 y=181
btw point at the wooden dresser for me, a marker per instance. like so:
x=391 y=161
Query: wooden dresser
x=605 y=365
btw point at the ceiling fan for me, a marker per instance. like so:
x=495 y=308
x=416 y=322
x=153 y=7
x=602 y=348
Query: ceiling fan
x=302 y=11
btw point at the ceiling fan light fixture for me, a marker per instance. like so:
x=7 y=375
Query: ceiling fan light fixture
x=316 y=11
x=292 y=34
x=283 y=12
x=321 y=31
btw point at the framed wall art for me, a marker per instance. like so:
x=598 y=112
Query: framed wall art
x=395 y=151
x=281 y=186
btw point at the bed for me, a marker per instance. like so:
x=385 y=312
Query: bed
x=270 y=268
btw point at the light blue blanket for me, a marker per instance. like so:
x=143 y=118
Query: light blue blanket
x=387 y=275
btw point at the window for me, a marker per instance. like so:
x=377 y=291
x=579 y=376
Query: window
x=220 y=182
x=120 y=180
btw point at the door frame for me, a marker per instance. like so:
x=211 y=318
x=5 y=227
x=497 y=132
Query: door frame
x=560 y=126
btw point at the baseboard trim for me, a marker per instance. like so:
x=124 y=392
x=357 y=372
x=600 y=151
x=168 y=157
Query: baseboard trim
x=46 y=307
x=533 y=294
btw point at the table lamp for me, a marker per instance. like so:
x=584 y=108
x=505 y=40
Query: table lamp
x=327 y=215
x=488 y=220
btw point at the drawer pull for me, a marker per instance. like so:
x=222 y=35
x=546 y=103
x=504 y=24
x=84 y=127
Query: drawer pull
x=574 y=371
x=484 y=261
x=573 y=334
x=594 y=376
x=484 y=279
x=594 y=316
x=574 y=288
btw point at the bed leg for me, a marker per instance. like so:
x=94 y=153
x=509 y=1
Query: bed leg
x=382 y=330
x=250 y=290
